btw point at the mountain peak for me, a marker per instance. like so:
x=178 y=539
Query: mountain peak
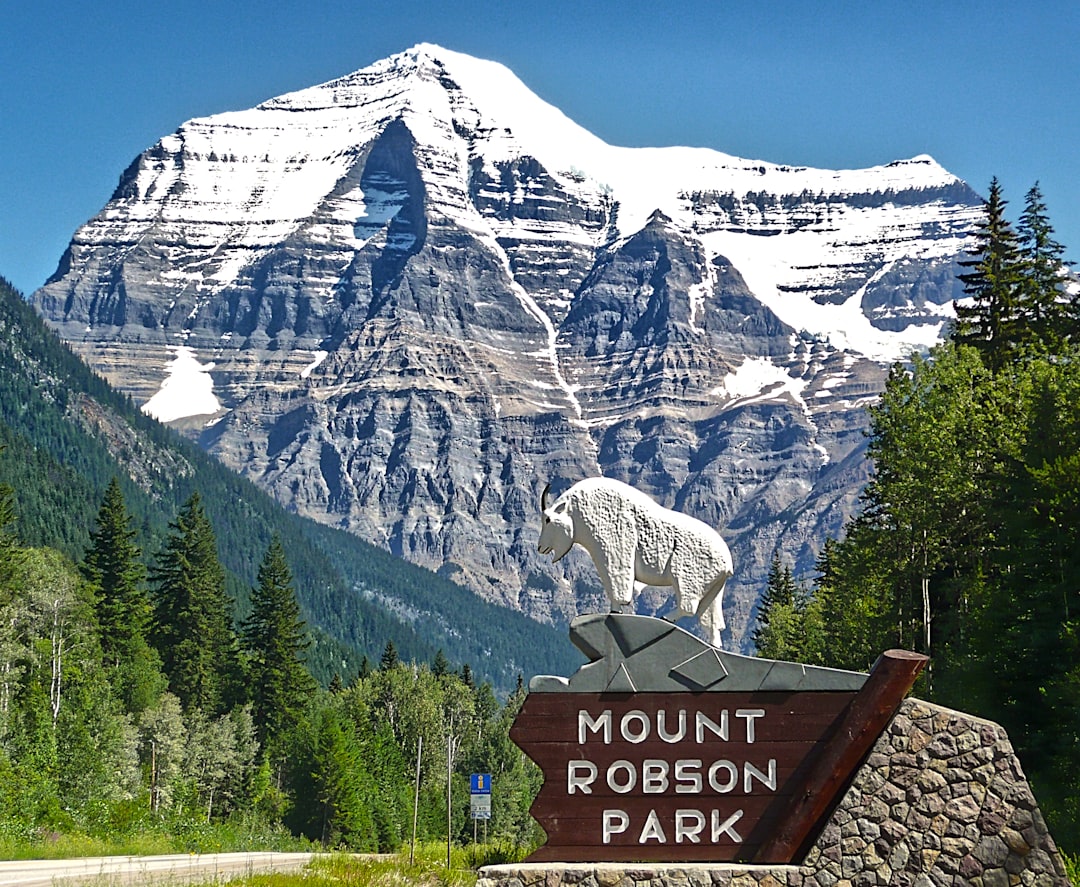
x=418 y=293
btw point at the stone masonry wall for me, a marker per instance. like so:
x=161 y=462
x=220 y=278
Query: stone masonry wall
x=940 y=800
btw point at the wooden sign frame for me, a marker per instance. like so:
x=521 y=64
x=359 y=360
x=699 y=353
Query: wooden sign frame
x=700 y=776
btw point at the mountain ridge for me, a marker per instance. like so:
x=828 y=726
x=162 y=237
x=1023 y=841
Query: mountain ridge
x=64 y=433
x=419 y=292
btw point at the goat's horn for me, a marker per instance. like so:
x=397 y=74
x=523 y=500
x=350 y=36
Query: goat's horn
x=543 y=497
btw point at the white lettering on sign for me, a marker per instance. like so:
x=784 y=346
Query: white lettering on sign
x=725 y=828
x=642 y=731
x=654 y=776
x=661 y=726
x=657 y=776
x=750 y=714
x=615 y=823
x=636 y=726
x=701 y=721
x=631 y=777
x=687 y=780
x=689 y=826
x=714 y=776
x=585 y=722
x=652 y=830
x=663 y=778
x=750 y=772
x=580 y=775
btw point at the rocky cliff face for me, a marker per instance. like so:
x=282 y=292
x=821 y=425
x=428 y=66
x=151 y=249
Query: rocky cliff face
x=404 y=300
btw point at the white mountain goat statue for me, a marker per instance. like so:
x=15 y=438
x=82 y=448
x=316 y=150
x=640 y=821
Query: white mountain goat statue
x=629 y=536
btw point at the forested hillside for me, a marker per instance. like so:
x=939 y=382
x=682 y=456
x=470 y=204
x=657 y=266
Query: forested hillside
x=162 y=625
x=968 y=545
x=132 y=708
x=65 y=434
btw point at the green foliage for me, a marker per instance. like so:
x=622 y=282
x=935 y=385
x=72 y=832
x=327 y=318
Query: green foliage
x=1048 y=310
x=389 y=657
x=968 y=545
x=123 y=610
x=68 y=435
x=994 y=284
x=274 y=640
x=93 y=748
x=789 y=624
x=193 y=630
x=73 y=762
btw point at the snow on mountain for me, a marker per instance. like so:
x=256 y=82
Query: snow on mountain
x=411 y=296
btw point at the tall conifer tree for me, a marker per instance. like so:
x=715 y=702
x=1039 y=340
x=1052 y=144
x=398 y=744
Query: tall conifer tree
x=780 y=591
x=123 y=607
x=192 y=628
x=1051 y=315
x=275 y=640
x=9 y=543
x=994 y=284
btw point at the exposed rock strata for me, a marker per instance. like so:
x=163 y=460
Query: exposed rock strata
x=423 y=300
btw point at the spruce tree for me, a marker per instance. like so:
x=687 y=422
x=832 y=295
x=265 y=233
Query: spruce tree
x=789 y=619
x=9 y=542
x=1047 y=308
x=779 y=592
x=122 y=606
x=192 y=628
x=275 y=639
x=389 y=657
x=994 y=283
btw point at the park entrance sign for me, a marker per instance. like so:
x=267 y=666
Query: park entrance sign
x=663 y=748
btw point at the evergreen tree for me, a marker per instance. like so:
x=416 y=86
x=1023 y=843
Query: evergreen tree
x=780 y=590
x=274 y=639
x=9 y=543
x=389 y=657
x=788 y=624
x=1047 y=309
x=330 y=806
x=123 y=607
x=994 y=283
x=192 y=628
x=440 y=665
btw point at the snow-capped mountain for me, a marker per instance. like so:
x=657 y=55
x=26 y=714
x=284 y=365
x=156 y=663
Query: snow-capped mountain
x=404 y=300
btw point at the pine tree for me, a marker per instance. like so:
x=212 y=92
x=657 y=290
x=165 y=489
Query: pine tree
x=440 y=665
x=9 y=543
x=192 y=628
x=123 y=607
x=789 y=625
x=389 y=657
x=1050 y=313
x=780 y=591
x=994 y=283
x=274 y=639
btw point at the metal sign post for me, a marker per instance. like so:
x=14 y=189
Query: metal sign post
x=480 y=799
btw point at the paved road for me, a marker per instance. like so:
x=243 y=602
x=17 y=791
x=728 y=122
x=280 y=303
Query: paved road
x=105 y=871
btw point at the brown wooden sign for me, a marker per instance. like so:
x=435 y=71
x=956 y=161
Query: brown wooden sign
x=706 y=776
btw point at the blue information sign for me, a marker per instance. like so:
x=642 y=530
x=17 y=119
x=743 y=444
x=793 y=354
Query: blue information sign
x=480 y=784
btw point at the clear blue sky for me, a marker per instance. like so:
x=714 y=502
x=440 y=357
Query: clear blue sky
x=988 y=88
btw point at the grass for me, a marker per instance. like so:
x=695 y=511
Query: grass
x=1072 y=868
x=189 y=837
